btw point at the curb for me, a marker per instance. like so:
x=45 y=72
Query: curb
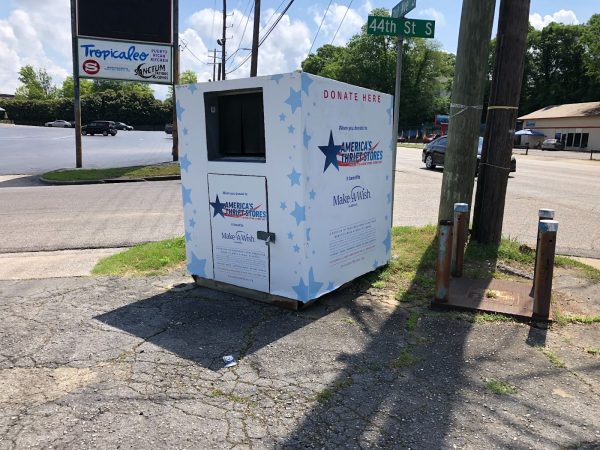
x=110 y=180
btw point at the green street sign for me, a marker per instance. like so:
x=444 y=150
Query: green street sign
x=391 y=26
x=404 y=7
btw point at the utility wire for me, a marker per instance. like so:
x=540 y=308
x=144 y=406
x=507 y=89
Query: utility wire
x=340 y=26
x=265 y=36
x=319 y=29
x=243 y=34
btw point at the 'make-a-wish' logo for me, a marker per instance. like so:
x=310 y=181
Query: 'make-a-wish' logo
x=238 y=210
x=356 y=194
x=350 y=154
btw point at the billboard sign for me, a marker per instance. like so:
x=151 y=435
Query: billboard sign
x=126 y=20
x=132 y=61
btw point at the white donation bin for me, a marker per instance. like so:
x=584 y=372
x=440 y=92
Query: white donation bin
x=286 y=183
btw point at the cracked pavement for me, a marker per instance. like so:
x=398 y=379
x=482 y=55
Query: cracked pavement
x=137 y=363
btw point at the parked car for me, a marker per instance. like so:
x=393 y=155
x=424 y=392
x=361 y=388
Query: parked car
x=553 y=144
x=430 y=138
x=123 y=126
x=59 y=123
x=169 y=128
x=104 y=127
x=435 y=151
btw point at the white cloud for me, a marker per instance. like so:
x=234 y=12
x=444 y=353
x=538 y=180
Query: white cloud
x=349 y=27
x=432 y=13
x=567 y=17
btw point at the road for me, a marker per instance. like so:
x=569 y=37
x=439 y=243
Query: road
x=563 y=181
x=35 y=217
x=34 y=150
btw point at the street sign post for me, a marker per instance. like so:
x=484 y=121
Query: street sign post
x=392 y=26
x=404 y=7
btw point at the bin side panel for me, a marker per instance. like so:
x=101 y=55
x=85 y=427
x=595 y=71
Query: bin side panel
x=349 y=187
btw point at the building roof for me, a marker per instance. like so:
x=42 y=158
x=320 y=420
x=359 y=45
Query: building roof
x=589 y=109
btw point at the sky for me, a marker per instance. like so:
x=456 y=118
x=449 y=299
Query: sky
x=38 y=32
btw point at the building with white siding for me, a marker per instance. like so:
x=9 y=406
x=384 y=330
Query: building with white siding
x=576 y=124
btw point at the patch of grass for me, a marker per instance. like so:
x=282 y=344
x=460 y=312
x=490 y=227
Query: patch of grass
x=154 y=258
x=412 y=321
x=348 y=320
x=593 y=351
x=406 y=359
x=327 y=394
x=564 y=319
x=500 y=387
x=552 y=357
x=115 y=172
x=591 y=273
x=485 y=317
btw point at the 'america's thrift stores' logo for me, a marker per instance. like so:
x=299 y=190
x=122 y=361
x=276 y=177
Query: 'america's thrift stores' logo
x=350 y=154
x=238 y=210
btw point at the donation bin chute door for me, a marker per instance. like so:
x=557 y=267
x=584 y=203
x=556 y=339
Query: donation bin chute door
x=238 y=211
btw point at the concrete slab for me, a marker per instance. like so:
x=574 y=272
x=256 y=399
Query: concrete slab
x=57 y=264
x=589 y=261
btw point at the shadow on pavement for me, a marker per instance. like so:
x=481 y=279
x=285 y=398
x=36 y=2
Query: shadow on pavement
x=20 y=181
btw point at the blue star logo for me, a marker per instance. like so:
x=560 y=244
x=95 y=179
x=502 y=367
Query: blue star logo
x=330 y=151
x=291 y=129
x=307 y=292
x=282 y=205
x=184 y=162
x=282 y=117
x=312 y=194
x=306 y=81
x=294 y=100
x=217 y=207
x=186 y=194
x=197 y=266
x=193 y=88
x=294 y=177
x=330 y=286
x=296 y=248
x=306 y=138
x=290 y=235
x=388 y=242
x=185 y=131
x=192 y=223
x=180 y=109
x=299 y=213
x=276 y=78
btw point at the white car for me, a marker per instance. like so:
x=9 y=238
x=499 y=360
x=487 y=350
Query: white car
x=59 y=123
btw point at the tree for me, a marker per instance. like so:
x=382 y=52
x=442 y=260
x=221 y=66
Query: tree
x=122 y=87
x=590 y=38
x=85 y=87
x=36 y=84
x=185 y=77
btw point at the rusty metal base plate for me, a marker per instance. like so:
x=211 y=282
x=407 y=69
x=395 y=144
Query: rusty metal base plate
x=498 y=296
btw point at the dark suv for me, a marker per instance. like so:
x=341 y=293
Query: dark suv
x=104 y=127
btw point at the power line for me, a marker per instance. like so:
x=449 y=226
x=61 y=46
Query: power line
x=243 y=34
x=319 y=29
x=265 y=36
x=340 y=26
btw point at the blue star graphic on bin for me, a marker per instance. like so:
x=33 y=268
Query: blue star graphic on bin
x=193 y=88
x=184 y=162
x=306 y=138
x=188 y=236
x=180 y=110
x=192 y=223
x=291 y=129
x=217 y=207
x=306 y=292
x=308 y=234
x=282 y=117
x=330 y=286
x=296 y=248
x=290 y=235
x=185 y=131
x=276 y=78
x=306 y=81
x=294 y=100
x=197 y=266
x=282 y=205
x=312 y=194
x=186 y=194
x=299 y=213
x=294 y=177
x=330 y=151
x=389 y=197
x=388 y=242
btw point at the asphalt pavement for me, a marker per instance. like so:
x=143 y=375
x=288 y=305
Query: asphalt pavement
x=35 y=150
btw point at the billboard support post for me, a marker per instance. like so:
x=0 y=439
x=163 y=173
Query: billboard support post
x=175 y=151
x=76 y=91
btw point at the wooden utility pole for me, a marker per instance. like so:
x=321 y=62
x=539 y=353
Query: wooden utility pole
x=511 y=45
x=254 y=60
x=76 y=91
x=223 y=39
x=465 y=110
x=175 y=150
x=214 y=63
